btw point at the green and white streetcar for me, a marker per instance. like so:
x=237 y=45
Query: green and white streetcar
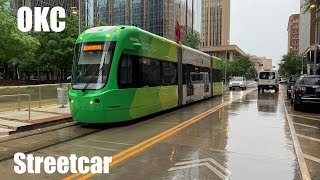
x=122 y=73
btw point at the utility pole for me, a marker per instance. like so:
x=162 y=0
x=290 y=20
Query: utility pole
x=225 y=67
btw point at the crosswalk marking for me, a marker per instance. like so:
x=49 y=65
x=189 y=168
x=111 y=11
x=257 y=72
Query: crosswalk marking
x=308 y=137
x=312 y=158
x=203 y=162
x=314 y=127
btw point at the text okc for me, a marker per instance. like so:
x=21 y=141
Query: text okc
x=39 y=19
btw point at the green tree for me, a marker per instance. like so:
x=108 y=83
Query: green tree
x=291 y=64
x=241 y=66
x=192 y=40
x=57 y=49
x=17 y=48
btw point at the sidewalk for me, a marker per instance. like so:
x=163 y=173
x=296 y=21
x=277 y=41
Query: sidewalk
x=12 y=121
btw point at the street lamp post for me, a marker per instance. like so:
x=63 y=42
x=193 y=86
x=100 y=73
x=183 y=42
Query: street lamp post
x=225 y=67
x=303 y=58
x=314 y=6
x=79 y=16
x=77 y=12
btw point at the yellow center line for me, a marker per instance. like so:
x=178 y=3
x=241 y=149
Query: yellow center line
x=141 y=144
x=151 y=141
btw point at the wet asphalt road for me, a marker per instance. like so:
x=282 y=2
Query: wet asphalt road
x=237 y=136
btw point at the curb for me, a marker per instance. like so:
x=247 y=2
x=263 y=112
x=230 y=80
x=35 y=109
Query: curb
x=42 y=123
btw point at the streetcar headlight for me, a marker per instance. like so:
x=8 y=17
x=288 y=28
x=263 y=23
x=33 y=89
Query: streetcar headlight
x=91 y=102
x=71 y=101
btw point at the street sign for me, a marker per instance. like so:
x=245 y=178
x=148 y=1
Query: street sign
x=223 y=172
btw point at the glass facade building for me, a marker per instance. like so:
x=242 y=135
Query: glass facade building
x=119 y=12
x=103 y=10
x=156 y=16
x=138 y=13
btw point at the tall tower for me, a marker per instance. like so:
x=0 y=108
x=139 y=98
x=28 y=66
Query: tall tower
x=215 y=26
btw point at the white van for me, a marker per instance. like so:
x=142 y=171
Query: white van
x=268 y=80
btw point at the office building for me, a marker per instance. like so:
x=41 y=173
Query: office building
x=309 y=38
x=215 y=30
x=293 y=33
x=261 y=63
x=215 y=25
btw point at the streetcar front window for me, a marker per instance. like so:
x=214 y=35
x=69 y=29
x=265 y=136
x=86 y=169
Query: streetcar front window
x=91 y=65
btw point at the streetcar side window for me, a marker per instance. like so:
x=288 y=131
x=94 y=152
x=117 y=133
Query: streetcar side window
x=150 y=72
x=216 y=75
x=127 y=77
x=137 y=72
x=169 y=73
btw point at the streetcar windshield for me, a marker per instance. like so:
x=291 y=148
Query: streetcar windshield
x=91 y=65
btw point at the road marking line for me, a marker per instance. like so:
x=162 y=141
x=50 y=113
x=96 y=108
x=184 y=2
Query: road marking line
x=302 y=162
x=155 y=139
x=93 y=147
x=314 y=119
x=110 y=142
x=213 y=169
x=160 y=122
x=146 y=146
x=205 y=160
x=312 y=158
x=308 y=137
x=314 y=127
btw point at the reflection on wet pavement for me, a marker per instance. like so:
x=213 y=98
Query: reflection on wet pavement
x=307 y=126
x=248 y=139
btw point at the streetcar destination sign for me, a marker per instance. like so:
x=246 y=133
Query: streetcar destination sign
x=95 y=47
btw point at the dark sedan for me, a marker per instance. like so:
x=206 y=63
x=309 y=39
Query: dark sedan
x=292 y=80
x=306 y=91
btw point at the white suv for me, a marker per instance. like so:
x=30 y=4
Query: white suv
x=238 y=82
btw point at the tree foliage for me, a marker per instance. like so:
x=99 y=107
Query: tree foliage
x=241 y=66
x=192 y=40
x=45 y=51
x=56 y=49
x=17 y=48
x=291 y=64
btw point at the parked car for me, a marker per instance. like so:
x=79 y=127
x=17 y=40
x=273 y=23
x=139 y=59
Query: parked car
x=268 y=80
x=238 y=82
x=306 y=91
x=283 y=80
x=292 y=80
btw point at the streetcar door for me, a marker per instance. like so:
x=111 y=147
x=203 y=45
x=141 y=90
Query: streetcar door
x=190 y=86
x=206 y=84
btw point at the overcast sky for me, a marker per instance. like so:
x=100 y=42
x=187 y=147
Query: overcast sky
x=259 y=27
